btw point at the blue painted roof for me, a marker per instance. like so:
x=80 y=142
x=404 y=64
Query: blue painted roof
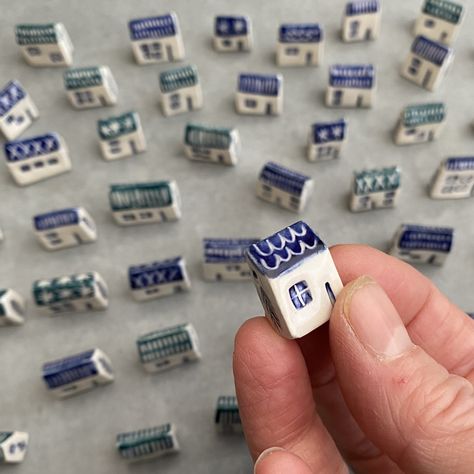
x=260 y=84
x=418 y=237
x=300 y=33
x=377 y=180
x=10 y=95
x=18 y=150
x=326 y=132
x=156 y=273
x=226 y=250
x=285 y=250
x=283 y=178
x=153 y=27
x=225 y=26
x=54 y=219
x=434 y=52
x=471 y=315
x=356 y=76
x=460 y=164
x=362 y=7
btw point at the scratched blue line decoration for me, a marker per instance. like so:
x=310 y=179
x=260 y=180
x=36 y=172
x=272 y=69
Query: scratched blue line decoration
x=360 y=76
x=156 y=273
x=433 y=52
x=226 y=250
x=362 y=7
x=18 y=150
x=10 y=95
x=283 y=178
x=460 y=163
x=153 y=27
x=55 y=219
x=300 y=33
x=259 y=84
x=416 y=237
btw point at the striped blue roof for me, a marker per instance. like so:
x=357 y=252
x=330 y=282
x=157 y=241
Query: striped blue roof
x=156 y=273
x=18 y=150
x=10 y=95
x=283 y=178
x=260 y=84
x=460 y=163
x=431 y=51
x=377 y=180
x=362 y=7
x=153 y=27
x=471 y=315
x=285 y=250
x=225 y=26
x=226 y=250
x=300 y=33
x=418 y=237
x=354 y=76
x=326 y=132
x=55 y=219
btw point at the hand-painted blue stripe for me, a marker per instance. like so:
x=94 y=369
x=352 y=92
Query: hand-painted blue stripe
x=434 y=52
x=300 y=33
x=226 y=250
x=417 y=237
x=54 y=219
x=260 y=84
x=283 y=178
x=153 y=27
x=353 y=76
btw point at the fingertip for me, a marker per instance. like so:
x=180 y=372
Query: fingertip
x=279 y=461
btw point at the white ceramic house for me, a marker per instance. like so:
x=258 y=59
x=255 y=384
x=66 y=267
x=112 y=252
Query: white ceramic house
x=361 y=21
x=351 y=86
x=44 y=44
x=296 y=279
x=13 y=446
x=78 y=373
x=259 y=94
x=12 y=307
x=232 y=33
x=17 y=110
x=375 y=189
x=300 y=44
x=422 y=244
x=440 y=20
x=420 y=123
x=180 y=90
x=227 y=415
x=121 y=136
x=34 y=159
x=156 y=39
x=89 y=87
x=145 y=203
x=64 y=228
x=284 y=187
x=326 y=139
x=454 y=179
x=427 y=63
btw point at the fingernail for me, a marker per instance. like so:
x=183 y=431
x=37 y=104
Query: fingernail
x=375 y=320
x=264 y=454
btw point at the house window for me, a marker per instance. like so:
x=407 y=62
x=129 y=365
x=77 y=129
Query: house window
x=152 y=50
x=429 y=23
x=227 y=42
x=354 y=28
x=300 y=295
x=175 y=101
x=415 y=64
x=56 y=57
x=34 y=51
x=324 y=151
x=250 y=103
x=84 y=97
x=337 y=98
x=292 y=51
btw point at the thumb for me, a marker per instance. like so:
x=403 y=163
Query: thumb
x=279 y=461
x=421 y=416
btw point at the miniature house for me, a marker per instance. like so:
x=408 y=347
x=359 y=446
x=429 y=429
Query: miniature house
x=325 y=140
x=17 y=110
x=427 y=63
x=64 y=228
x=45 y=44
x=89 y=87
x=351 y=86
x=361 y=21
x=440 y=20
x=420 y=123
x=284 y=187
x=232 y=33
x=34 y=159
x=155 y=280
x=167 y=348
x=259 y=94
x=375 y=189
x=12 y=307
x=227 y=417
x=13 y=446
x=121 y=136
x=74 y=293
x=212 y=144
x=422 y=244
x=77 y=373
x=300 y=45
x=296 y=279
x=224 y=259
x=156 y=39
x=454 y=179
x=145 y=203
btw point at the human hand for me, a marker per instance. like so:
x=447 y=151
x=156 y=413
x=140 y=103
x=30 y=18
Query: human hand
x=386 y=386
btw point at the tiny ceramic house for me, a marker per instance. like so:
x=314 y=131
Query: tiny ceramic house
x=296 y=279
x=427 y=63
x=77 y=373
x=259 y=94
x=180 y=90
x=121 y=136
x=454 y=179
x=89 y=87
x=420 y=123
x=155 y=280
x=375 y=189
x=13 y=446
x=34 y=159
x=326 y=139
x=351 y=86
x=232 y=34
x=300 y=44
x=361 y=21
x=64 y=228
x=440 y=20
x=17 y=110
x=212 y=144
x=12 y=307
x=227 y=416
x=148 y=443
x=156 y=39
x=167 y=348
x=145 y=203
x=44 y=44
x=422 y=244
x=284 y=187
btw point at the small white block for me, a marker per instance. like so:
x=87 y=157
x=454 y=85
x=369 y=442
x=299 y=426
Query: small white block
x=227 y=416
x=259 y=94
x=12 y=308
x=326 y=139
x=454 y=179
x=232 y=34
x=361 y=21
x=13 y=446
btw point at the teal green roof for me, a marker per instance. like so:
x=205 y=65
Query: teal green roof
x=139 y=437
x=208 y=137
x=140 y=195
x=444 y=9
x=179 y=78
x=61 y=289
x=423 y=114
x=82 y=77
x=36 y=34
x=4 y=435
x=114 y=127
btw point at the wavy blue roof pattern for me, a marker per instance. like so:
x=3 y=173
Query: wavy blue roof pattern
x=300 y=33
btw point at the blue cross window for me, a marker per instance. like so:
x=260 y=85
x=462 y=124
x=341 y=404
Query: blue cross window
x=300 y=295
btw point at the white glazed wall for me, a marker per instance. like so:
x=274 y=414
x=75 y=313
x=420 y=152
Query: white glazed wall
x=25 y=108
x=282 y=198
x=463 y=188
x=315 y=49
x=275 y=102
x=211 y=271
x=12 y=316
x=350 y=97
x=442 y=31
x=193 y=93
x=138 y=139
x=234 y=46
x=422 y=134
x=173 y=42
x=7 y=446
x=437 y=73
x=367 y=22
x=43 y=59
x=376 y=201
